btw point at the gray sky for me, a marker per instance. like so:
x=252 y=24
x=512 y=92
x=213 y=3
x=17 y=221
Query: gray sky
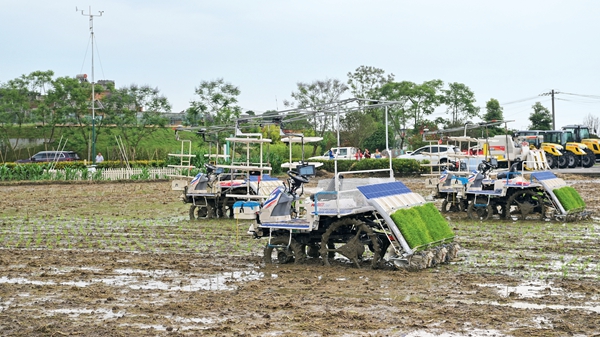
x=510 y=50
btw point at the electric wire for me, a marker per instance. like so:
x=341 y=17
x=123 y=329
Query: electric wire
x=85 y=55
x=98 y=53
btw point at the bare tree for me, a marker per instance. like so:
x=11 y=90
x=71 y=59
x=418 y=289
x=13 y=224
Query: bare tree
x=366 y=82
x=317 y=96
x=592 y=122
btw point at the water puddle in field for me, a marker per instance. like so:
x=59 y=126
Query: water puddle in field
x=155 y=280
x=182 y=323
x=593 y=307
x=473 y=332
x=534 y=289
x=531 y=289
x=73 y=313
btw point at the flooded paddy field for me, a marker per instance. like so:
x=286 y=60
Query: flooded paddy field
x=121 y=259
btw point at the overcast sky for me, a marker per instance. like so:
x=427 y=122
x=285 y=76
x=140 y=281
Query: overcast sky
x=509 y=50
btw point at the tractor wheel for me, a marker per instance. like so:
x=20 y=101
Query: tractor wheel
x=589 y=159
x=351 y=237
x=477 y=212
x=201 y=212
x=562 y=161
x=571 y=159
x=551 y=160
x=525 y=204
x=282 y=250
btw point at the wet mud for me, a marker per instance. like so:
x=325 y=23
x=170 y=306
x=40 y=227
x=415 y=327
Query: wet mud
x=121 y=259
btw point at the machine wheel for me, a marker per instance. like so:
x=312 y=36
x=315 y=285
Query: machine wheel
x=312 y=251
x=384 y=244
x=226 y=210
x=525 y=203
x=463 y=205
x=562 y=161
x=443 y=164
x=479 y=212
x=589 y=159
x=353 y=235
x=571 y=159
x=451 y=206
x=279 y=252
x=201 y=212
x=551 y=160
x=499 y=209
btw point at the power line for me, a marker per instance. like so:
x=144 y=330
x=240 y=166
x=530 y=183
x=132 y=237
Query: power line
x=520 y=100
x=581 y=95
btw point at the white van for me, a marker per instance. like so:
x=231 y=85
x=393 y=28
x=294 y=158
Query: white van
x=339 y=153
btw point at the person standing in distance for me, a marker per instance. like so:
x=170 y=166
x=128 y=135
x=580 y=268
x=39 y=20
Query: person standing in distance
x=99 y=158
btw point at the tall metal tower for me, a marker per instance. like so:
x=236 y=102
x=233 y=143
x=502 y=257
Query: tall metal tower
x=91 y=16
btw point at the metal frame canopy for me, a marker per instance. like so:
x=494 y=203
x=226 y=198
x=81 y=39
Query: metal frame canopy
x=280 y=118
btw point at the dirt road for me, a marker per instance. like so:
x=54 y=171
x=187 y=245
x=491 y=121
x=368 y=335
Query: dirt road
x=116 y=259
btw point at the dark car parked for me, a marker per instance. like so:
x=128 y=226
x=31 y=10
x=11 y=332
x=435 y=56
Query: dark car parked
x=49 y=156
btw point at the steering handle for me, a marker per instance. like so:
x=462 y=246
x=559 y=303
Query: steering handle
x=297 y=177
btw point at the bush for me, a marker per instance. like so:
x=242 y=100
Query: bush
x=422 y=225
x=400 y=166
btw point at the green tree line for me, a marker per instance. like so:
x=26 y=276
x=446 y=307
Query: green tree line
x=61 y=107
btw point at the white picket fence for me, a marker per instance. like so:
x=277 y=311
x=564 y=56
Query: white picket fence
x=123 y=173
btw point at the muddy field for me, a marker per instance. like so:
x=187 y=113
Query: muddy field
x=114 y=259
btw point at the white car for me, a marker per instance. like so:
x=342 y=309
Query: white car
x=436 y=154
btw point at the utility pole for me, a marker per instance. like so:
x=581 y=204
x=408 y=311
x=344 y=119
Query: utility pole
x=91 y=16
x=553 y=119
x=551 y=93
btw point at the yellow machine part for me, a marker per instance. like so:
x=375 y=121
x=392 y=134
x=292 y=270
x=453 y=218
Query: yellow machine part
x=578 y=149
x=592 y=144
x=553 y=149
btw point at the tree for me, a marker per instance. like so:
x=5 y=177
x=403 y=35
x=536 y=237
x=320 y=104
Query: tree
x=398 y=113
x=424 y=99
x=414 y=102
x=318 y=96
x=136 y=111
x=18 y=101
x=541 y=118
x=68 y=100
x=592 y=122
x=494 y=111
x=217 y=103
x=366 y=82
x=460 y=100
x=192 y=116
x=76 y=97
x=356 y=127
x=377 y=139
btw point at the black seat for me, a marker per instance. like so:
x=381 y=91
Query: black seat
x=513 y=171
